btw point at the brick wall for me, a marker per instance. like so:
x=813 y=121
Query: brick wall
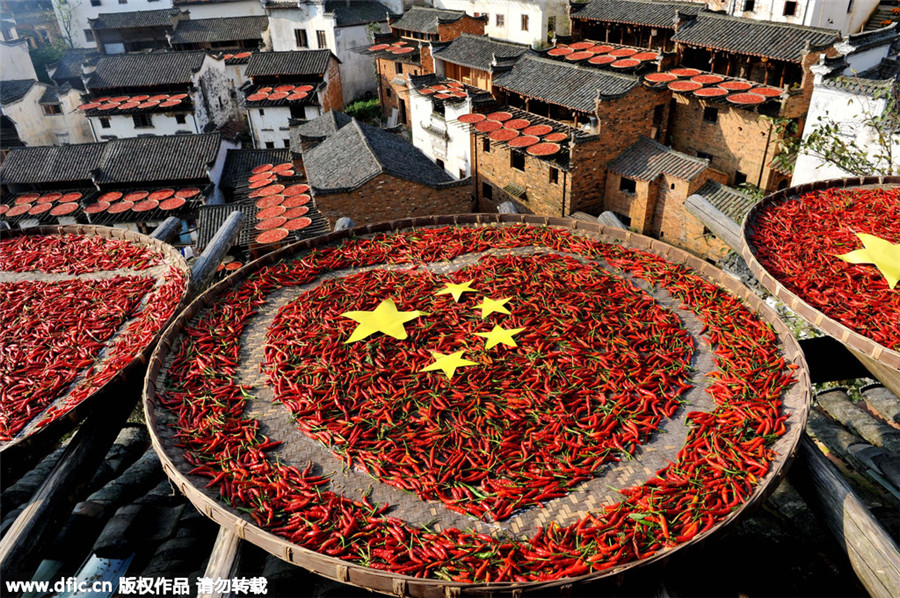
x=450 y=31
x=739 y=140
x=388 y=198
x=390 y=93
x=334 y=95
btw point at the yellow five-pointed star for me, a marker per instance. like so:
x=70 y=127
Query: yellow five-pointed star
x=457 y=289
x=447 y=363
x=489 y=306
x=884 y=254
x=385 y=319
x=499 y=335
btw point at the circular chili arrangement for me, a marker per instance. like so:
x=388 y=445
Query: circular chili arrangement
x=575 y=392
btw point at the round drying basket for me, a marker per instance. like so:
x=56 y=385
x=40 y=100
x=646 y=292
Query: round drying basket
x=882 y=362
x=183 y=418
x=119 y=363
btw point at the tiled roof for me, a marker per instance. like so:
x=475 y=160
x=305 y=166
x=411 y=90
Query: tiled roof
x=356 y=153
x=877 y=80
x=756 y=38
x=219 y=30
x=136 y=160
x=15 y=90
x=425 y=20
x=728 y=200
x=190 y=2
x=646 y=159
x=356 y=12
x=50 y=95
x=146 y=70
x=297 y=62
x=477 y=51
x=322 y=126
x=132 y=19
x=69 y=66
x=239 y=163
x=637 y=12
x=567 y=85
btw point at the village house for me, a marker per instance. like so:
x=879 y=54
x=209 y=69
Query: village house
x=531 y=22
x=33 y=112
x=473 y=59
x=336 y=25
x=69 y=68
x=32 y=20
x=370 y=175
x=641 y=23
x=285 y=85
x=119 y=32
x=407 y=51
x=847 y=16
x=849 y=90
x=214 y=9
x=167 y=93
x=127 y=183
x=234 y=34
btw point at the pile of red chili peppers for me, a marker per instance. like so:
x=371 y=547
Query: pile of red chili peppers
x=54 y=334
x=597 y=365
x=726 y=452
x=798 y=240
x=72 y=254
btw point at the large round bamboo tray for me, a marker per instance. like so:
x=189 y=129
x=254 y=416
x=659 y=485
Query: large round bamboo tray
x=884 y=363
x=109 y=391
x=795 y=403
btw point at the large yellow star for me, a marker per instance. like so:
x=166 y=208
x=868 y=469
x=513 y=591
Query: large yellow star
x=385 y=319
x=457 y=289
x=447 y=363
x=489 y=306
x=499 y=335
x=884 y=254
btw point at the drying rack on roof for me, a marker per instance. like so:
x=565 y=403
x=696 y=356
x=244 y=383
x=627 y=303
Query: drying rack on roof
x=616 y=58
x=716 y=88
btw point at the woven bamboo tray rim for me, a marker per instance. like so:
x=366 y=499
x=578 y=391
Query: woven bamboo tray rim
x=402 y=585
x=108 y=391
x=853 y=340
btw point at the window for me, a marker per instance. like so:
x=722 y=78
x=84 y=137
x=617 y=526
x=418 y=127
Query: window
x=262 y=112
x=300 y=38
x=710 y=115
x=89 y=35
x=104 y=123
x=627 y=185
x=123 y=1
x=287 y=143
x=749 y=5
x=270 y=145
x=739 y=178
x=398 y=68
x=790 y=9
x=524 y=22
x=487 y=190
x=142 y=120
x=388 y=92
x=52 y=109
x=554 y=176
x=499 y=20
x=486 y=145
x=320 y=39
x=180 y=119
x=850 y=7
x=517 y=160
x=440 y=163
x=705 y=156
x=95 y=2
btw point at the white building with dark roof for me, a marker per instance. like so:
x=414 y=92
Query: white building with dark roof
x=139 y=95
x=530 y=22
x=847 y=16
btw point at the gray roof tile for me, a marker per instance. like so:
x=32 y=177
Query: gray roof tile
x=646 y=159
x=425 y=20
x=355 y=153
x=219 y=30
x=356 y=12
x=69 y=66
x=14 y=90
x=728 y=200
x=477 y=51
x=146 y=70
x=240 y=162
x=133 y=19
x=297 y=62
x=782 y=41
x=637 y=12
x=568 y=85
x=137 y=160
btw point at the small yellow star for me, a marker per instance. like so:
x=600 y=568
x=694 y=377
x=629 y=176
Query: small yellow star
x=489 y=306
x=385 y=319
x=884 y=254
x=499 y=335
x=457 y=289
x=447 y=363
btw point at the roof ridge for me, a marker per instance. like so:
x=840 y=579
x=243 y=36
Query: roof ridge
x=717 y=15
x=362 y=133
x=493 y=40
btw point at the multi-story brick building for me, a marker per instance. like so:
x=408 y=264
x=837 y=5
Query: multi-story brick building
x=473 y=59
x=371 y=175
x=407 y=51
x=643 y=23
x=285 y=85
